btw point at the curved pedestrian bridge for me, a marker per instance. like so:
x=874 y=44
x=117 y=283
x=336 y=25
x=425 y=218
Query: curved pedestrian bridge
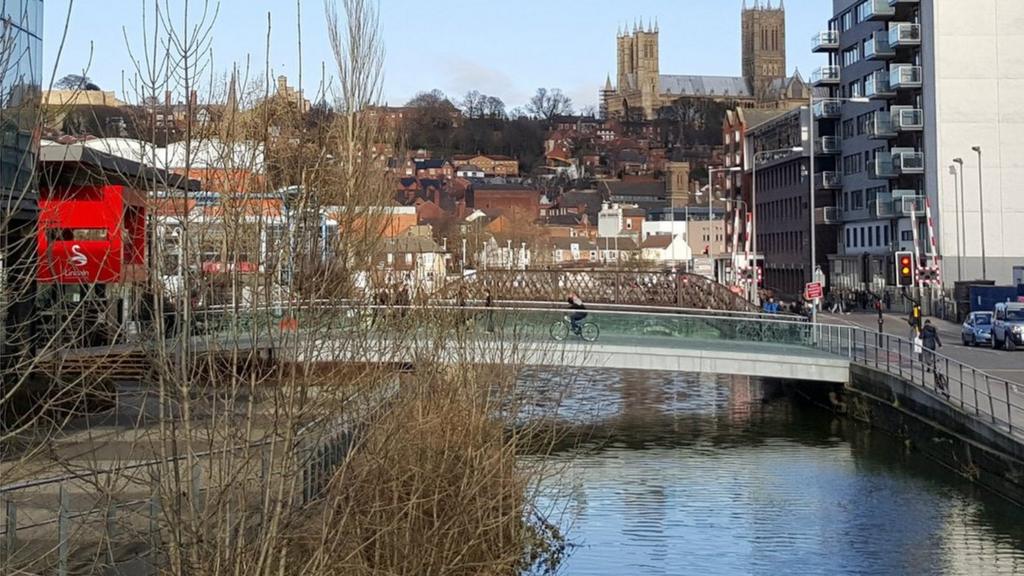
x=740 y=344
x=745 y=345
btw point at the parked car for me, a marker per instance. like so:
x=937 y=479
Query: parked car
x=977 y=329
x=1008 y=325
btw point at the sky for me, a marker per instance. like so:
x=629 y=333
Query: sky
x=507 y=49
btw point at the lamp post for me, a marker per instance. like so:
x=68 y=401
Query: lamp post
x=962 y=218
x=956 y=221
x=753 y=206
x=981 y=212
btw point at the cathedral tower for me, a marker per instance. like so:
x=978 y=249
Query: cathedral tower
x=764 y=46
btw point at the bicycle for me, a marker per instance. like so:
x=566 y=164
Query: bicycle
x=561 y=329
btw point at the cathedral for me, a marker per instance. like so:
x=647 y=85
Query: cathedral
x=641 y=91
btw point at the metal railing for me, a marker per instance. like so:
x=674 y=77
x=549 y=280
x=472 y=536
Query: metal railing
x=994 y=401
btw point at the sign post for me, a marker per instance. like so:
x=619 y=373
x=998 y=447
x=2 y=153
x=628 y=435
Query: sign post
x=814 y=291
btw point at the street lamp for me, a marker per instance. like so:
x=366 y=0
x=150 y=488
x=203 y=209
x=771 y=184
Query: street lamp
x=981 y=212
x=753 y=204
x=961 y=233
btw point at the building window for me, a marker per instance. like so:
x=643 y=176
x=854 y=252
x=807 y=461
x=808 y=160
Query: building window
x=851 y=56
x=857 y=201
x=907 y=236
x=862 y=242
x=885 y=230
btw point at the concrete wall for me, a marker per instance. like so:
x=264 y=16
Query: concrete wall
x=930 y=425
x=973 y=59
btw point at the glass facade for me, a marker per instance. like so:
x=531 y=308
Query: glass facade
x=21 y=71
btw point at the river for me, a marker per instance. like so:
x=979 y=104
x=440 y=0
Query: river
x=699 y=474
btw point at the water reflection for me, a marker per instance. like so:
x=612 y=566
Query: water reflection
x=688 y=474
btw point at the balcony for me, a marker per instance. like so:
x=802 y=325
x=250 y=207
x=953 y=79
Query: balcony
x=896 y=3
x=905 y=77
x=907 y=202
x=881 y=168
x=878 y=10
x=829 y=108
x=826 y=41
x=828 y=146
x=881 y=127
x=877 y=85
x=907 y=161
x=826 y=216
x=906 y=119
x=904 y=34
x=826 y=76
x=883 y=207
x=828 y=181
x=877 y=48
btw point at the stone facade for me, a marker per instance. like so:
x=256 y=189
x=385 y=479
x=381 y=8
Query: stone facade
x=642 y=91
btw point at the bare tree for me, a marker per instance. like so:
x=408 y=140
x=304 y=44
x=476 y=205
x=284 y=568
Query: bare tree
x=546 y=104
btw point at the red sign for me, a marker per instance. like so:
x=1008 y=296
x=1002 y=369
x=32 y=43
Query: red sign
x=89 y=234
x=813 y=291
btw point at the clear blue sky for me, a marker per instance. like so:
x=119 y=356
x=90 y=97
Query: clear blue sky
x=505 y=48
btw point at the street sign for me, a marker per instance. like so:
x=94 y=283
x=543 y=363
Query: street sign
x=704 y=266
x=813 y=291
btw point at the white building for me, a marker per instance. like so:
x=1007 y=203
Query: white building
x=972 y=61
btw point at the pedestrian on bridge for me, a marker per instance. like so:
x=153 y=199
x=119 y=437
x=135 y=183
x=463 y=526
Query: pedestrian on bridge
x=931 y=341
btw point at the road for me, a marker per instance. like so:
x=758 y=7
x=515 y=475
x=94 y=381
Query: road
x=1000 y=363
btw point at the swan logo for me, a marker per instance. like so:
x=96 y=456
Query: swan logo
x=77 y=258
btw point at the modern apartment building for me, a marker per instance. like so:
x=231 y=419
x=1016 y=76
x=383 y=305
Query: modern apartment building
x=940 y=78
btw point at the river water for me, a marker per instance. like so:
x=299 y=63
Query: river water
x=698 y=474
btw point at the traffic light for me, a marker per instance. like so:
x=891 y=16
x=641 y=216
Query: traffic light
x=904 y=269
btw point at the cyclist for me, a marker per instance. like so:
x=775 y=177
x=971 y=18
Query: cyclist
x=577 y=317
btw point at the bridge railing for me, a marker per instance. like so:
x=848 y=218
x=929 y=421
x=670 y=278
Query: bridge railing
x=993 y=400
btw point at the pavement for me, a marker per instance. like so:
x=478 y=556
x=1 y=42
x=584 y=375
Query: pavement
x=1000 y=363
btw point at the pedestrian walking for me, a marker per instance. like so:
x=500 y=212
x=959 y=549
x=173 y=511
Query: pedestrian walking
x=489 y=305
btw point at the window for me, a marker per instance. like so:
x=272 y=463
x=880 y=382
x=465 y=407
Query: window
x=408 y=259
x=862 y=241
x=886 y=231
x=851 y=56
x=848 y=129
x=846 y=22
x=857 y=201
x=907 y=236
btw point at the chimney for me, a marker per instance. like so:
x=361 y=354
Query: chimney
x=167 y=98
x=193 y=99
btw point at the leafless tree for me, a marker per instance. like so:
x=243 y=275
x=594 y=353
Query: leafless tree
x=546 y=104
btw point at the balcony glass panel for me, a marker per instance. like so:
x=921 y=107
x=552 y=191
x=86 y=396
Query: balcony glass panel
x=877 y=85
x=826 y=75
x=908 y=119
x=877 y=48
x=904 y=76
x=830 y=108
x=825 y=41
x=904 y=34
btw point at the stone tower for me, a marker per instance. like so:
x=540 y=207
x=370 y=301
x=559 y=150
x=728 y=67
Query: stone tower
x=639 y=68
x=677 y=184
x=648 y=68
x=764 y=46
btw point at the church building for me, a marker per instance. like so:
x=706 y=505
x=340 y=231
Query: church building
x=641 y=91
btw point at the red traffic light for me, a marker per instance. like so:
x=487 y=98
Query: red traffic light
x=904 y=269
